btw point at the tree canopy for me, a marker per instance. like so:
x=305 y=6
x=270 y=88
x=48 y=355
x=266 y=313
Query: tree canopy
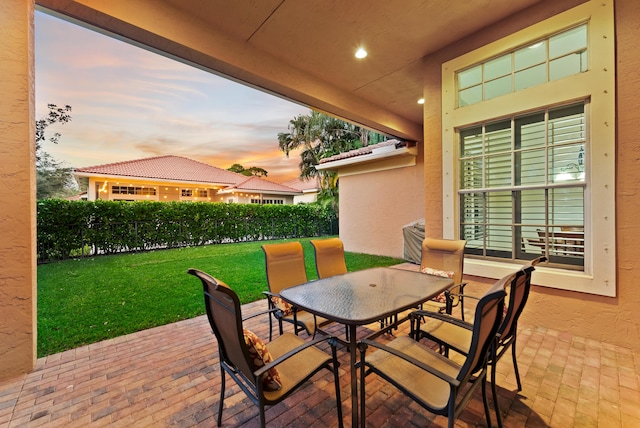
x=52 y=178
x=253 y=170
x=319 y=136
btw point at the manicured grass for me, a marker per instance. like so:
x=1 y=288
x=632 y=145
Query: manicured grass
x=88 y=300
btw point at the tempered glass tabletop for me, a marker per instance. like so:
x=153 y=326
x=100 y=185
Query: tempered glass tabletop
x=358 y=298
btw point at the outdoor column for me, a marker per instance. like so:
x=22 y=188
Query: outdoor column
x=17 y=190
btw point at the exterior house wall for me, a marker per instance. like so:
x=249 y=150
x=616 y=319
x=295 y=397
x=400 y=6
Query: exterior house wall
x=614 y=320
x=375 y=206
x=17 y=194
x=306 y=198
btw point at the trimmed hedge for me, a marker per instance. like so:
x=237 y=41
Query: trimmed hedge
x=68 y=229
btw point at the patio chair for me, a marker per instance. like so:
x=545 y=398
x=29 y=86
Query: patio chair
x=329 y=254
x=267 y=373
x=444 y=257
x=453 y=336
x=430 y=379
x=285 y=268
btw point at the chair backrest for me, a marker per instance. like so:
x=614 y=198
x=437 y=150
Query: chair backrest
x=285 y=265
x=444 y=254
x=329 y=257
x=225 y=318
x=488 y=314
x=518 y=295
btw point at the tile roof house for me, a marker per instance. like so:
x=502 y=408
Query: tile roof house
x=309 y=188
x=176 y=178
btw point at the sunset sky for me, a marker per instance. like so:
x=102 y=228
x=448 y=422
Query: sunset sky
x=129 y=103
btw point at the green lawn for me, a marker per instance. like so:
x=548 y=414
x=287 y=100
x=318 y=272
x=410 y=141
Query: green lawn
x=88 y=300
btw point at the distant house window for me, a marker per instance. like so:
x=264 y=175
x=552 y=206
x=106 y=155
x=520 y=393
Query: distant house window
x=194 y=193
x=542 y=61
x=131 y=190
x=256 y=201
x=273 y=201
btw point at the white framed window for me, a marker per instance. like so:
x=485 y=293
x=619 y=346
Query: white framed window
x=531 y=170
x=552 y=58
x=522 y=186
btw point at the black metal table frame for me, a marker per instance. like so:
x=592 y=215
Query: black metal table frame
x=407 y=289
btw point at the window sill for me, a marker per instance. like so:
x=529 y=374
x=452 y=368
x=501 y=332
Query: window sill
x=561 y=279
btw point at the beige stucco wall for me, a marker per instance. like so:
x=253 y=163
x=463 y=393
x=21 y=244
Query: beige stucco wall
x=17 y=193
x=613 y=320
x=374 y=207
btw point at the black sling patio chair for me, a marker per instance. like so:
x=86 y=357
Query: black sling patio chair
x=437 y=383
x=267 y=373
x=452 y=336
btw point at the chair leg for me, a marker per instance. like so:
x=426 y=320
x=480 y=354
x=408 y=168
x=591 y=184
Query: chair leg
x=221 y=404
x=515 y=363
x=270 y=327
x=494 y=391
x=485 y=403
x=336 y=379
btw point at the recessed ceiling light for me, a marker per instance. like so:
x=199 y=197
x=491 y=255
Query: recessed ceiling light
x=361 y=53
x=421 y=101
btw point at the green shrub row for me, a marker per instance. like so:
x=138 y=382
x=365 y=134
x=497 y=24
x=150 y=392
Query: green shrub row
x=68 y=229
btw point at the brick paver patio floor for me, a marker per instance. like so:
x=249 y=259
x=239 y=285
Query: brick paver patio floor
x=169 y=376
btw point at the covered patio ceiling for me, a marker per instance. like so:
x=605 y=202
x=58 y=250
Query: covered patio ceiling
x=304 y=50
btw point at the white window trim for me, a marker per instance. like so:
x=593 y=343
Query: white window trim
x=596 y=85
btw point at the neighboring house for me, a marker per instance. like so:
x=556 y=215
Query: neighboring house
x=176 y=178
x=309 y=188
x=381 y=178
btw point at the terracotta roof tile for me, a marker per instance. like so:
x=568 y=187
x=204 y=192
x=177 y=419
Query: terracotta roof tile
x=168 y=168
x=257 y=184
x=302 y=185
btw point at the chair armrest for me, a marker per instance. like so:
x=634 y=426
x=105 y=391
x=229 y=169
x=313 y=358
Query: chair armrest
x=452 y=381
x=442 y=317
x=262 y=370
x=244 y=318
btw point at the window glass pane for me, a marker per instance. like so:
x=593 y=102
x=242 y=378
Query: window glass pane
x=472 y=208
x=565 y=66
x=497 y=67
x=471 y=142
x=566 y=163
x=532 y=207
x=531 y=167
x=530 y=55
x=566 y=232
x=498 y=171
x=471 y=173
x=498 y=137
x=530 y=131
x=567 y=207
x=470 y=96
x=569 y=41
x=567 y=125
x=497 y=87
x=530 y=77
x=499 y=228
x=470 y=77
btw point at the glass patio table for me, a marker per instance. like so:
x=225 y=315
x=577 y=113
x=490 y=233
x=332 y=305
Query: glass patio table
x=362 y=297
